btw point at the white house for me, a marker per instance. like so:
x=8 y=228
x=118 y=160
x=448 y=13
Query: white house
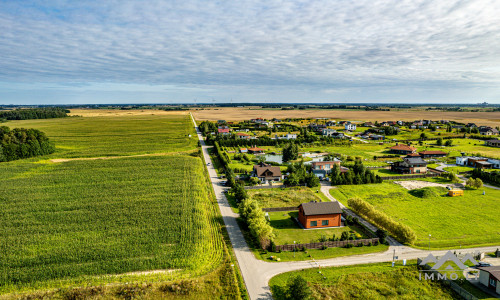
x=490 y=277
x=350 y=126
x=495 y=163
x=328 y=132
x=462 y=160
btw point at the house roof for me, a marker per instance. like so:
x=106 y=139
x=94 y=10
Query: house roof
x=414 y=160
x=322 y=163
x=242 y=134
x=321 y=208
x=261 y=168
x=255 y=149
x=429 y=152
x=493 y=141
x=403 y=148
x=493 y=270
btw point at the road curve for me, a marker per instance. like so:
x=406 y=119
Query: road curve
x=257 y=273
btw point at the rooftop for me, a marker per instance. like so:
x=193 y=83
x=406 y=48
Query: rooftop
x=321 y=208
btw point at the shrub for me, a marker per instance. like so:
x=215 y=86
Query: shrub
x=398 y=230
x=348 y=245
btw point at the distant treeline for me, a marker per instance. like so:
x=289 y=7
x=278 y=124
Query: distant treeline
x=21 y=143
x=34 y=113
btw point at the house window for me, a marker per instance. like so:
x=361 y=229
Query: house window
x=324 y=223
x=493 y=282
x=314 y=223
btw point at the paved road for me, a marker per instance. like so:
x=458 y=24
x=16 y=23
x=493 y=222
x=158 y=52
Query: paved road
x=257 y=273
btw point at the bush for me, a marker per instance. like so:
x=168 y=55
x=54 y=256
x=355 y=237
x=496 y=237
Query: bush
x=402 y=232
x=348 y=245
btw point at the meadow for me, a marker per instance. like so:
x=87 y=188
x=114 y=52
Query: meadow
x=281 y=197
x=79 y=218
x=115 y=136
x=469 y=220
x=370 y=281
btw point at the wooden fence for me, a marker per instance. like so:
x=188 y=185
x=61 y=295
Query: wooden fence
x=289 y=208
x=330 y=244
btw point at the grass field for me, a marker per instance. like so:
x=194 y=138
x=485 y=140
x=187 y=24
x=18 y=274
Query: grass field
x=470 y=220
x=371 y=281
x=458 y=169
x=104 y=217
x=115 y=136
x=279 y=197
x=469 y=146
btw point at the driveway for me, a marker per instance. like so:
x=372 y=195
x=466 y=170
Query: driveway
x=257 y=273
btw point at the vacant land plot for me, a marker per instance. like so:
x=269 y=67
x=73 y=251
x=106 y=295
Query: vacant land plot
x=246 y=113
x=470 y=147
x=285 y=197
x=469 y=220
x=74 y=219
x=371 y=281
x=114 y=136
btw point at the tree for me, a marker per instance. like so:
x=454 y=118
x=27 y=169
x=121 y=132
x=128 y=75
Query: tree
x=312 y=180
x=423 y=136
x=439 y=142
x=470 y=183
x=290 y=152
x=297 y=289
x=448 y=143
x=478 y=183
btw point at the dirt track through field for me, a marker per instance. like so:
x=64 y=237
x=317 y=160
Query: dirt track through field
x=416 y=184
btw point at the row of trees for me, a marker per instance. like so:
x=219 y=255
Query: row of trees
x=20 y=143
x=34 y=113
x=400 y=231
x=472 y=183
x=255 y=219
x=358 y=174
x=491 y=177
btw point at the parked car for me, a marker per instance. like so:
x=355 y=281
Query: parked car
x=483 y=264
x=208 y=164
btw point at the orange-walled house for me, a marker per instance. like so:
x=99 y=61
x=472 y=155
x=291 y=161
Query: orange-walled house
x=320 y=214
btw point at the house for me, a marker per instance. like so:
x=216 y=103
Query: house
x=428 y=154
x=224 y=130
x=410 y=165
x=377 y=137
x=461 y=160
x=471 y=125
x=490 y=277
x=478 y=162
x=325 y=165
x=385 y=124
x=331 y=123
x=320 y=214
x=242 y=135
x=368 y=124
x=317 y=127
x=328 y=132
x=403 y=149
x=321 y=174
x=338 y=135
x=243 y=150
x=493 y=143
x=495 y=163
x=266 y=172
x=350 y=126
x=400 y=123
x=488 y=131
x=288 y=136
x=258 y=120
x=256 y=150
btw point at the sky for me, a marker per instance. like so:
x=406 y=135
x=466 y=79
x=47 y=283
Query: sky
x=334 y=51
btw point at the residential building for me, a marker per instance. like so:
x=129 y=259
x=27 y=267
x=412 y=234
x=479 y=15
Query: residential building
x=377 y=137
x=320 y=214
x=410 y=165
x=242 y=135
x=495 y=163
x=461 y=160
x=288 y=136
x=429 y=154
x=243 y=150
x=325 y=165
x=488 y=131
x=328 y=132
x=490 y=277
x=368 y=124
x=403 y=149
x=224 y=130
x=493 y=143
x=350 y=126
x=256 y=150
x=266 y=172
x=331 y=123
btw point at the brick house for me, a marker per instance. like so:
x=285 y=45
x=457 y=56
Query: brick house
x=410 y=165
x=266 y=172
x=320 y=214
x=403 y=149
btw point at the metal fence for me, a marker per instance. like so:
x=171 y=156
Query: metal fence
x=330 y=244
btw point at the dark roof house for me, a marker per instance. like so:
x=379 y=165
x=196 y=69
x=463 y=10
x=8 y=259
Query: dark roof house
x=320 y=214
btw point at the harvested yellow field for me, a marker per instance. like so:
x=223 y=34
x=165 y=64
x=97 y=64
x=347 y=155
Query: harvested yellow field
x=118 y=113
x=245 y=113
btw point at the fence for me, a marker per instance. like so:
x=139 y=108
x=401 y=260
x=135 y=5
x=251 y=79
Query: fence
x=257 y=187
x=410 y=176
x=289 y=208
x=320 y=245
x=455 y=287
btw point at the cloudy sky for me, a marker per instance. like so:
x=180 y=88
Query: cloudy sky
x=55 y=52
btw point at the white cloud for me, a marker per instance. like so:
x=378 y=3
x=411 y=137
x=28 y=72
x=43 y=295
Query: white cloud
x=323 y=45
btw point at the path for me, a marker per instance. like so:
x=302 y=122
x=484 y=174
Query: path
x=257 y=273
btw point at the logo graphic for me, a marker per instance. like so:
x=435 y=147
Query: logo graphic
x=451 y=271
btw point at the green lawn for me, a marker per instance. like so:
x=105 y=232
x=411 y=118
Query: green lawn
x=458 y=169
x=115 y=136
x=370 y=281
x=469 y=146
x=284 y=197
x=470 y=220
x=287 y=230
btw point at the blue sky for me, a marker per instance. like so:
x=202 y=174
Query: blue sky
x=63 y=52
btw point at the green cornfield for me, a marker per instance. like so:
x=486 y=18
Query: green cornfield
x=81 y=218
